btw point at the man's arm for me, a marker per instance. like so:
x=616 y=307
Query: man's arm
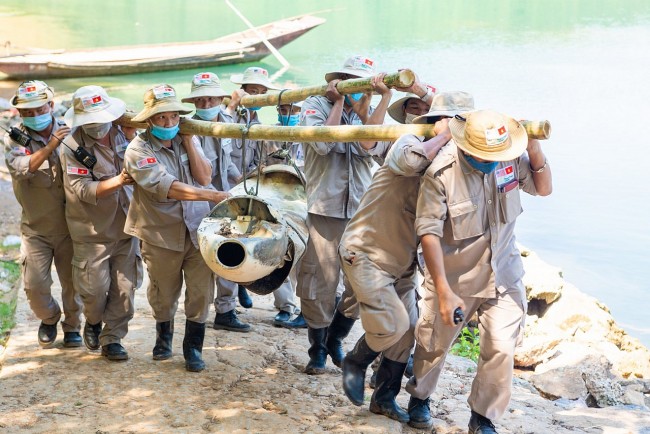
x=38 y=157
x=540 y=169
x=377 y=116
x=181 y=191
x=448 y=301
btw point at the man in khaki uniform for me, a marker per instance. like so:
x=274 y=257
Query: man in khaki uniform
x=169 y=170
x=36 y=177
x=378 y=256
x=107 y=268
x=337 y=175
x=467 y=208
x=207 y=95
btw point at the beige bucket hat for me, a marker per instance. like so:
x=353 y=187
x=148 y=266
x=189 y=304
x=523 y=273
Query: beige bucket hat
x=32 y=94
x=205 y=84
x=359 y=66
x=254 y=75
x=92 y=105
x=489 y=135
x=158 y=99
x=396 y=109
x=447 y=104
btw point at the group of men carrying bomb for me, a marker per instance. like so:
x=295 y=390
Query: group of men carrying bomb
x=98 y=198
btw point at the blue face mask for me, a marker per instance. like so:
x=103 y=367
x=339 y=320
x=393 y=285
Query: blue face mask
x=254 y=109
x=487 y=167
x=355 y=96
x=38 y=123
x=289 y=120
x=209 y=113
x=164 y=133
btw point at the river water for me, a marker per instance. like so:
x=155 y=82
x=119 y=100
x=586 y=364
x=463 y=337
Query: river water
x=582 y=64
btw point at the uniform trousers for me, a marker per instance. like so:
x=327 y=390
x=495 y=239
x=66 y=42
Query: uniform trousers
x=37 y=254
x=167 y=269
x=387 y=305
x=500 y=323
x=320 y=273
x=284 y=298
x=106 y=276
x=226 y=299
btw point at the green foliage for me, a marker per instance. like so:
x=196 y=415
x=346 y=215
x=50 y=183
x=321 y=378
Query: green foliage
x=10 y=273
x=467 y=344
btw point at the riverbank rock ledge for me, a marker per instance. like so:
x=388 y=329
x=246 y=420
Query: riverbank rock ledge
x=574 y=349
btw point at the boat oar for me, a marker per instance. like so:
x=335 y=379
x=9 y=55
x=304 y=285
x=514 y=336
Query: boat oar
x=340 y=133
x=403 y=78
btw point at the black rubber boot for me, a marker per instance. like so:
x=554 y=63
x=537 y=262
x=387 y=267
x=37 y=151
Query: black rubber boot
x=420 y=413
x=336 y=332
x=317 y=351
x=408 y=372
x=479 y=424
x=164 y=335
x=72 y=339
x=389 y=383
x=115 y=352
x=245 y=300
x=354 y=368
x=193 y=346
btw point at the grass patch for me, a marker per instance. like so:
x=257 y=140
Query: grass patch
x=467 y=344
x=9 y=273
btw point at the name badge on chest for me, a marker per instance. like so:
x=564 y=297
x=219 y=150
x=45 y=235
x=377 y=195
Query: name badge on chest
x=506 y=179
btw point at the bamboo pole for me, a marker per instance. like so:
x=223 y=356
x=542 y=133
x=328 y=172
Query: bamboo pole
x=340 y=133
x=403 y=78
x=540 y=130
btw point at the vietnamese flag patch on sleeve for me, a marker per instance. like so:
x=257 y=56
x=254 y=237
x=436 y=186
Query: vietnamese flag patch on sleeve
x=145 y=162
x=310 y=112
x=74 y=170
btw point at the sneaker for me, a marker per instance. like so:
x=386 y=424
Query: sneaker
x=296 y=323
x=282 y=317
x=229 y=321
x=46 y=334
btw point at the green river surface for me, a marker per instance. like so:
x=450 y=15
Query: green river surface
x=584 y=65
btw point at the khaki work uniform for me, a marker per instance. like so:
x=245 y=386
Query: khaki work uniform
x=218 y=152
x=44 y=232
x=474 y=215
x=337 y=175
x=243 y=150
x=167 y=228
x=378 y=251
x=107 y=268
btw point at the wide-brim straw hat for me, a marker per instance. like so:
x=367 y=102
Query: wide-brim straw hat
x=359 y=66
x=254 y=75
x=159 y=99
x=32 y=94
x=489 y=135
x=396 y=109
x=447 y=104
x=205 y=84
x=92 y=105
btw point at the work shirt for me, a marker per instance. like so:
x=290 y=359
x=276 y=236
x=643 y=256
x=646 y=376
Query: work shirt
x=337 y=173
x=382 y=227
x=474 y=215
x=40 y=194
x=92 y=219
x=152 y=216
x=240 y=151
x=218 y=152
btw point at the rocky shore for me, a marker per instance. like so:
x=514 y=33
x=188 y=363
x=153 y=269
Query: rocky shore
x=577 y=372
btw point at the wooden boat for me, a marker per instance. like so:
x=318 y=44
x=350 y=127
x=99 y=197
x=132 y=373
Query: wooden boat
x=239 y=47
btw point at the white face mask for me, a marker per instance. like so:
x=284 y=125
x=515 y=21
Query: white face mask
x=97 y=131
x=409 y=118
